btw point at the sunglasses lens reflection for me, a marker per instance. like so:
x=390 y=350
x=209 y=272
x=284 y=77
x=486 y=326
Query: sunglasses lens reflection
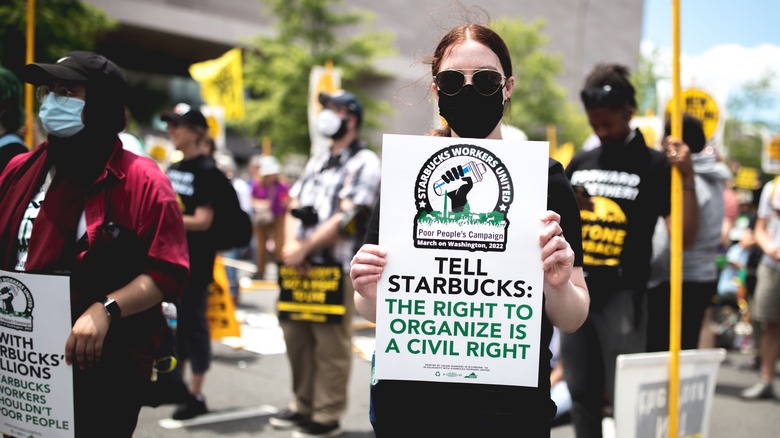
x=450 y=81
x=486 y=82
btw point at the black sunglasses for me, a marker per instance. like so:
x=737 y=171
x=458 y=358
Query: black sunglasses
x=486 y=82
x=602 y=96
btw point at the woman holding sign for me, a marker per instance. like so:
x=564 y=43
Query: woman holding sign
x=472 y=78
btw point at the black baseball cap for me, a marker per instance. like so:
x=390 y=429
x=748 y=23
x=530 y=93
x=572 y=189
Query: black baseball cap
x=77 y=66
x=344 y=99
x=185 y=114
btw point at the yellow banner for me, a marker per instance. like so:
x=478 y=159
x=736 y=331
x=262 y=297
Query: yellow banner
x=747 y=178
x=699 y=104
x=222 y=83
x=563 y=153
x=315 y=297
x=221 y=311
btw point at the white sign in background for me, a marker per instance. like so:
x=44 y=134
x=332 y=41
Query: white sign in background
x=36 y=385
x=642 y=395
x=460 y=299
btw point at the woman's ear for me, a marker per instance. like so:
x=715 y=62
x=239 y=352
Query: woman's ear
x=509 y=87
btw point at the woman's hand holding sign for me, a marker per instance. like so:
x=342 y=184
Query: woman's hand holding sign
x=557 y=255
x=564 y=284
x=366 y=268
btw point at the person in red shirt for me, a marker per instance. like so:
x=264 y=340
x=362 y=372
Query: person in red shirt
x=80 y=205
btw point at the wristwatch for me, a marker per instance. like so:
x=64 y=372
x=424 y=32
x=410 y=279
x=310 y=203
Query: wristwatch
x=112 y=308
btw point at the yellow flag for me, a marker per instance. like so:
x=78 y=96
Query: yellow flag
x=221 y=311
x=563 y=153
x=222 y=83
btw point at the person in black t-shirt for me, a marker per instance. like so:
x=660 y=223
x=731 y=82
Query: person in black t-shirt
x=472 y=78
x=194 y=181
x=629 y=185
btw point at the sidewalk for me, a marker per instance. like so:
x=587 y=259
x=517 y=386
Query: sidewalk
x=248 y=384
x=730 y=416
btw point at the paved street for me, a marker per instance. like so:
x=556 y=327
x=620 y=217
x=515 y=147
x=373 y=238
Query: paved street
x=250 y=381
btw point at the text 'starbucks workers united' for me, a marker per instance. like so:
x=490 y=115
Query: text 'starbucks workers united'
x=463 y=195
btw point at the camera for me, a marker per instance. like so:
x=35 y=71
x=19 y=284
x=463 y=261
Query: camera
x=308 y=215
x=354 y=221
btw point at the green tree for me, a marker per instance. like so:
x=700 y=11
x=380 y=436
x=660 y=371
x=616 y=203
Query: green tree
x=644 y=80
x=276 y=69
x=538 y=100
x=743 y=143
x=60 y=26
x=743 y=132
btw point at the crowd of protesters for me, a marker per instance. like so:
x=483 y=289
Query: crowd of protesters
x=597 y=305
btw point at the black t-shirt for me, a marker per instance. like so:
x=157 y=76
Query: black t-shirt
x=474 y=409
x=195 y=182
x=630 y=187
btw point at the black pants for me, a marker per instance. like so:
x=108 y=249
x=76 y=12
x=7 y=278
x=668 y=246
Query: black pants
x=616 y=326
x=193 y=336
x=696 y=297
x=107 y=400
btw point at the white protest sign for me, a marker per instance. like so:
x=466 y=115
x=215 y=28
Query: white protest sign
x=641 y=393
x=460 y=299
x=321 y=79
x=36 y=385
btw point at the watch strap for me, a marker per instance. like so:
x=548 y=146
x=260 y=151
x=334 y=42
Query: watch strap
x=113 y=310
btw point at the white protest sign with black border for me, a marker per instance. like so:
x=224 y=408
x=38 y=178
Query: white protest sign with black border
x=460 y=299
x=36 y=385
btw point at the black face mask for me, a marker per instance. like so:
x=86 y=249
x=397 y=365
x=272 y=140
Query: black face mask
x=471 y=114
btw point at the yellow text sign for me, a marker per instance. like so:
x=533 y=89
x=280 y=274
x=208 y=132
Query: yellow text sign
x=699 y=104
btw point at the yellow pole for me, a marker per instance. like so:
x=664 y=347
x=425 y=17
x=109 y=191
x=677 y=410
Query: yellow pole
x=675 y=279
x=266 y=145
x=28 y=88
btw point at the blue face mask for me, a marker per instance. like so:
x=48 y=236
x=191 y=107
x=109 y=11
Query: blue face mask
x=61 y=120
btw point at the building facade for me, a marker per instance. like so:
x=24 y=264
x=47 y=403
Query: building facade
x=157 y=40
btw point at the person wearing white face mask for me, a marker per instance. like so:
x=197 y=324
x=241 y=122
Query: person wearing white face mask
x=61 y=115
x=331 y=124
x=81 y=206
x=329 y=206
